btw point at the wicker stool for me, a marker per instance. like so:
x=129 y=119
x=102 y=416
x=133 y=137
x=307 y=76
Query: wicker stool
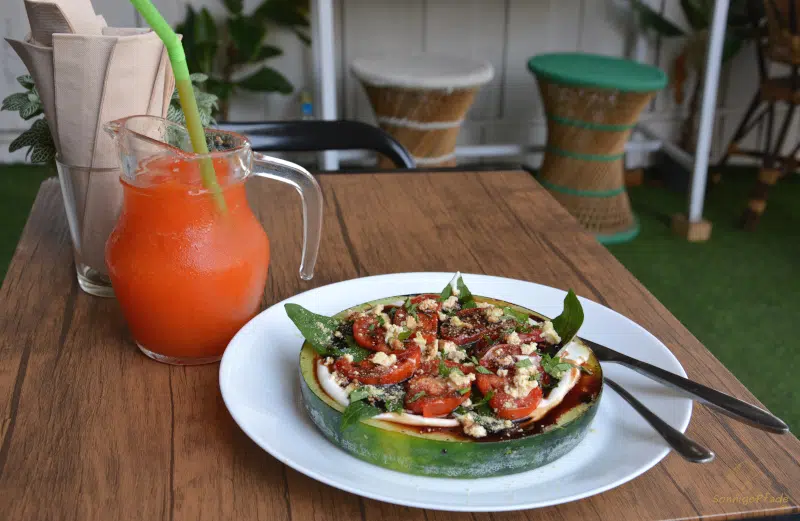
x=592 y=103
x=421 y=100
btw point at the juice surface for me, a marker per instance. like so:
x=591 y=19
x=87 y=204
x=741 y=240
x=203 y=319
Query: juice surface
x=186 y=275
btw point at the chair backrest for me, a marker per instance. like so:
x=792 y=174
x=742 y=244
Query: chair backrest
x=783 y=28
x=319 y=136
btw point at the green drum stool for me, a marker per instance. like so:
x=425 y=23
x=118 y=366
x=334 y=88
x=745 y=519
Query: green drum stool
x=592 y=103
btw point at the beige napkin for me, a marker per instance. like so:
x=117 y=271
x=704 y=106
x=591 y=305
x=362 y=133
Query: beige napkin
x=88 y=74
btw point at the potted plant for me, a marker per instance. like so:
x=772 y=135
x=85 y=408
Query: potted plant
x=232 y=50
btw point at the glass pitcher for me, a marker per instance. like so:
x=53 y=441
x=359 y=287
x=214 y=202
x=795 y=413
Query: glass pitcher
x=188 y=264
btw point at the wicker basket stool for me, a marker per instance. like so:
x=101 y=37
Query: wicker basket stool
x=592 y=103
x=421 y=100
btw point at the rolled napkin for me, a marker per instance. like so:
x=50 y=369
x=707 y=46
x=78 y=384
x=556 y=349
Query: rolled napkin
x=87 y=74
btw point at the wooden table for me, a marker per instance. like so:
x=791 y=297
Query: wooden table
x=93 y=430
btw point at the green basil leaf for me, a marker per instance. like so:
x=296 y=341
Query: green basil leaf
x=411 y=308
x=482 y=370
x=465 y=295
x=570 y=320
x=518 y=316
x=359 y=393
x=447 y=292
x=417 y=396
x=525 y=362
x=404 y=335
x=356 y=351
x=357 y=411
x=443 y=369
x=317 y=329
x=464 y=391
x=486 y=397
x=394 y=405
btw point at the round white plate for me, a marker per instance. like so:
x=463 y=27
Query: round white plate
x=260 y=383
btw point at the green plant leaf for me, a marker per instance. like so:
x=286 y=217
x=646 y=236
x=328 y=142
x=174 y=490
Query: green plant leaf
x=285 y=13
x=26 y=81
x=31 y=110
x=652 y=20
x=42 y=153
x=356 y=351
x=697 y=13
x=26 y=139
x=205 y=29
x=518 y=316
x=266 y=52
x=570 y=320
x=317 y=329
x=246 y=34
x=16 y=101
x=267 y=80
x=234 y=6
x=357 y=411
x=447 y=292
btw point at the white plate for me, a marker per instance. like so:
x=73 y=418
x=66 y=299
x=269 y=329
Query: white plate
x=260 y=384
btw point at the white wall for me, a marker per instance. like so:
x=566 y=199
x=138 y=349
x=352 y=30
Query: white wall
x=505 y=32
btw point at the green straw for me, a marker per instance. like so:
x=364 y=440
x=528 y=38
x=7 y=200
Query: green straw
x=185 y=93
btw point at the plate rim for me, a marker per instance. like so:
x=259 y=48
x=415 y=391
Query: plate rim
x=345 y=486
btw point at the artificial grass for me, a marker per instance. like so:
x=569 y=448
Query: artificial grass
x=739 y=293
x=18 y=187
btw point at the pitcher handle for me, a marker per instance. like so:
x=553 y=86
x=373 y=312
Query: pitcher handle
x=311 y=196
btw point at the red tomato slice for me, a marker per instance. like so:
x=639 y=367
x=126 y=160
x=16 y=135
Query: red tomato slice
x=420 y=298
x=506 y=406
x=426 y=323
x=440 y=397
x=369 y=334
x=533 y=336
x=367 y=372
x=476 y=325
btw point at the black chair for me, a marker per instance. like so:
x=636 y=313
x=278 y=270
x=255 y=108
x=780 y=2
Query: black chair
x=319 y=136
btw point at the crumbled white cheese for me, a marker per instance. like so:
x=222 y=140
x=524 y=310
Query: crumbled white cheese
x=392 y=331
x=337 y=334
x=523 y=382
x=442 y=316
x=482 y=305
x=431 y=351
x=466 y=403
x=452 y=352
x=420 y=340
x=328 y=361
x=461 y=380
x=502 y=372
x=411 y=322
x=348 y=357
x=377 y=310
x=428 y=305
x=528 y=349
x=513 y=339
x=509 y=404
x=381 y=358
x=532 y=322
x=457 y=322
x=471 y=427
x=450 y=302
x=549 y=334
x=493 y=314
x=339 y=378
x=506 y=361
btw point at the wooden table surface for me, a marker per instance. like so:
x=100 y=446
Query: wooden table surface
x=93 y=430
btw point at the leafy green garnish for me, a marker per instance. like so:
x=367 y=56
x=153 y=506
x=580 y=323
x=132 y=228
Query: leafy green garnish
x=316 y=329
x=465 y=295
x=447 y=292
x=394 y=405
x=518 y=316
x=525 y=362
x=555 y=366
x=410 y=308
x=404 y=335
x=486 y=397
x=479 y=367
x=356 y=351
x=381 y=321
x=357 y=411
x=464 y=391
x=417 y=396
x=570 y=320
x=359 y=393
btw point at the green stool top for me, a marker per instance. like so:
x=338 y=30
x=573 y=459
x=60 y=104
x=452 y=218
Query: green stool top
x=594 y=70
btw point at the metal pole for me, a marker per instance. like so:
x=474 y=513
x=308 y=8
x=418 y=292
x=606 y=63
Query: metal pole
x=713 y=62
x=323 y=46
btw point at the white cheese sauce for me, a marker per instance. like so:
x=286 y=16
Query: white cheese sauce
x=575 y=353
x=333 y=390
